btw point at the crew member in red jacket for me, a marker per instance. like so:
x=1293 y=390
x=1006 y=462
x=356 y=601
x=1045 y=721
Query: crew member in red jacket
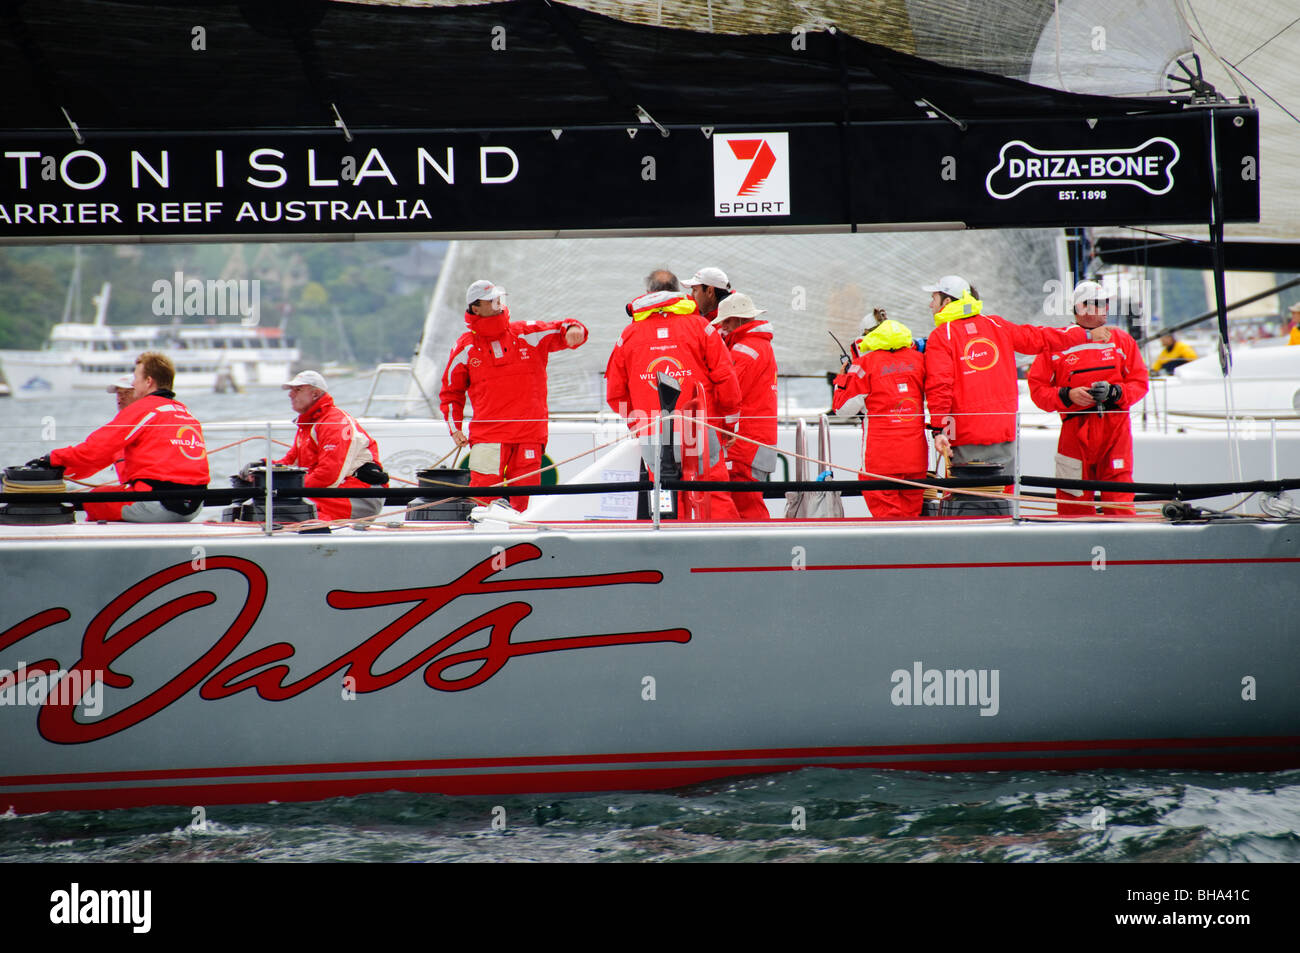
x=887 y=381
x=752 y=455
x=334 y=449
x=158 y=444
x=501 y=364
x=668 y=334
x=970 y=373
x=1092 y=385
x=709 y=288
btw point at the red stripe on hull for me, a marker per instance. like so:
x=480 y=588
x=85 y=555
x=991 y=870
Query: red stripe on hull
x=641 y=757
x=634 y=779
x=1009 y=565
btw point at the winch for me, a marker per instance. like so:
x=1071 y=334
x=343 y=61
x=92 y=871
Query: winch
x=35 y=480
x=288 y=506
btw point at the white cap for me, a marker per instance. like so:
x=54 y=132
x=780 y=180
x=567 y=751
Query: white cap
x=737 y=306
x=714 y=277
x=1090 y=291
x=954 y=286
x=1294 y=307
x=310 y=378
x=483 y=290
x=125 y=382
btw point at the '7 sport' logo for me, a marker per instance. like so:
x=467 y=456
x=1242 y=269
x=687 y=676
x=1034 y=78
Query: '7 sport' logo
x=1149 y=167
x=751 y=173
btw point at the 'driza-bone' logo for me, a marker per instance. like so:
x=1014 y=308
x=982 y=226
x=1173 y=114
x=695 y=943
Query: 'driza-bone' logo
x=751 y=173
x=1149 y=167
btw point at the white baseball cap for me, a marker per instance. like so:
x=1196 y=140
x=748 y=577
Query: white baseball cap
x=954 y=286
x=1090 y=291
x=483 y=290
x=714 y=277
x=309 y=378
x=737 y=306
x=125 y=382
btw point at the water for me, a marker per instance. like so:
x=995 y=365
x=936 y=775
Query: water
x=854 y=815
x=851 y=815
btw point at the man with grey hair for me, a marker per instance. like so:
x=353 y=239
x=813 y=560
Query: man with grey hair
x=333 y=448
x=661 y=279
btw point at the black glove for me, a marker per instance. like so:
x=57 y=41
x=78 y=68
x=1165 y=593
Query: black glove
x=40 y=463
x=1099 y=391
x=371 y=473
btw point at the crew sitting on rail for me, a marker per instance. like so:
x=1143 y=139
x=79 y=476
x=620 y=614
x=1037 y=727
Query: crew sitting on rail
x=1293 y=322
x=1176 y=353
x=158 y=443
x=334 y=449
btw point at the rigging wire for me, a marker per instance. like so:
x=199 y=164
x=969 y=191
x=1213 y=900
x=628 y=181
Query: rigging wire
x=1266 y=43
x=1178 y=5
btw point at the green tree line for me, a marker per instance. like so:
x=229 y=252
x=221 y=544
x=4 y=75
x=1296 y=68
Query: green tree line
x=362 y=302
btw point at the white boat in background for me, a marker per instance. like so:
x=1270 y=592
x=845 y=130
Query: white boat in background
x=209 y=356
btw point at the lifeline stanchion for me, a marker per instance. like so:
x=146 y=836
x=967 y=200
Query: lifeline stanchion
x=659 y=473
x=269 y=468
x=1015 y=493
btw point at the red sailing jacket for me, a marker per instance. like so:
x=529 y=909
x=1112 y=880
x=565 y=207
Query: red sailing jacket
x=685 y=347
x=890 y=386
x=1117 y=361
x=750 y=346
x=502 y=365
x=331 y=445
x=970 y=373
x=155 y=437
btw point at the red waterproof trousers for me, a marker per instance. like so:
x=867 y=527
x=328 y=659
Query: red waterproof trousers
x=749 y=505
x=1103 y=443
x=902 y=503
x=520 y=463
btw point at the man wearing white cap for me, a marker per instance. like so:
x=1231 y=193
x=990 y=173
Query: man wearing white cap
x=333 y=448
x=501 y=366
x=970 y=373
x=1092 y=385
x=709 y=287
x=752 y=455
x=124 y=389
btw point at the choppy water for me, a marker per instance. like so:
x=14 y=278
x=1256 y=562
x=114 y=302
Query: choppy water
x=853 y=815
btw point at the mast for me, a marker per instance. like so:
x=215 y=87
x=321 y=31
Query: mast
x=73 y=297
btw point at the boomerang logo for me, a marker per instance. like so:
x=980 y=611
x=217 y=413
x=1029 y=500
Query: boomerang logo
x=751 y=173
x=669 y=365
x=194 y=441
x=1021 y=166
x=905 y=410
x=980 y=354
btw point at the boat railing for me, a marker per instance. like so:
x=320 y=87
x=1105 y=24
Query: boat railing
x=407 y=382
